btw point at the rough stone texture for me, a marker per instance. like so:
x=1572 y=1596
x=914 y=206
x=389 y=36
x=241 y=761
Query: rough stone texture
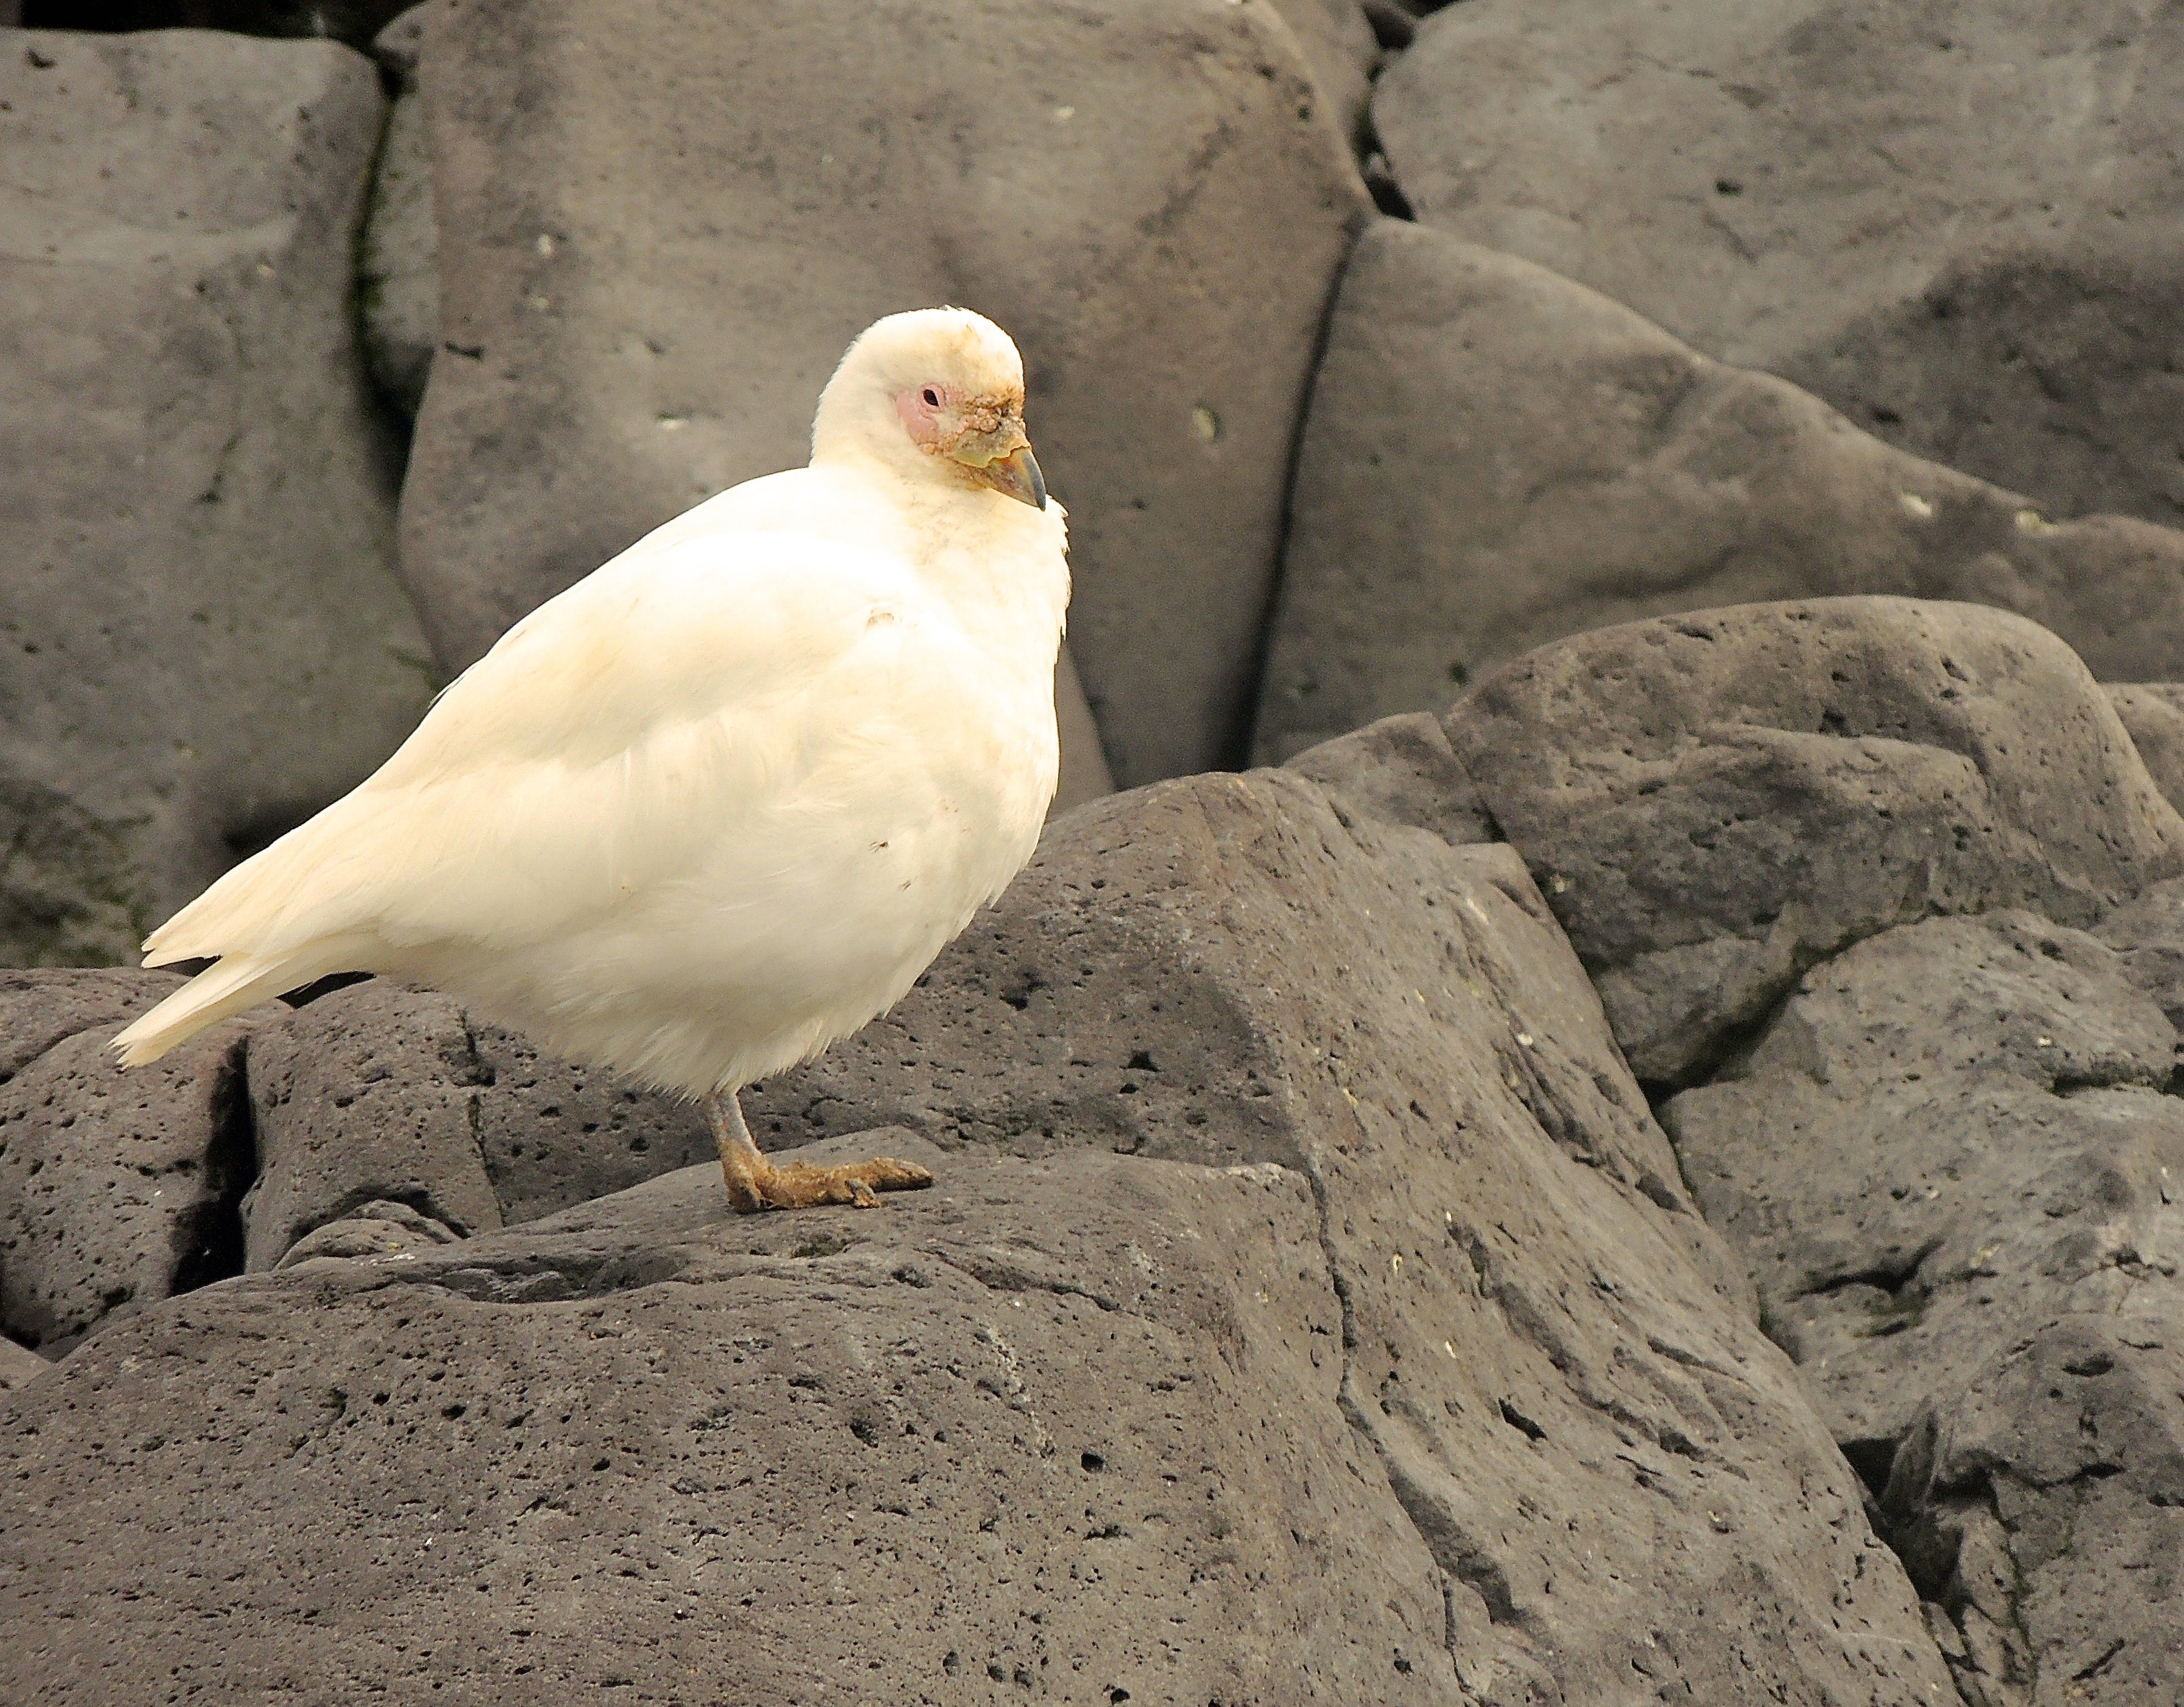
x=659 y=228
x=1714 y=803
x=18 y=1367
x=1495 y=457
x=554 y=1134
x=2149 y=934
x=1951 y=1131
x=204 y=638
x=2154 y=712
x=1401 y=770
x=1951 y=1167
x=115 y=1190
x=1957 y=221
x=378 y=1094
x=370 y=1093
x=397 y=270
x=1339 y=45
x=1225 y=971
x=1389 y=1364
x=377 y=1229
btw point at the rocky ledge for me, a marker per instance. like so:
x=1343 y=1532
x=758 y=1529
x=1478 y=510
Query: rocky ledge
x=1314 y=1303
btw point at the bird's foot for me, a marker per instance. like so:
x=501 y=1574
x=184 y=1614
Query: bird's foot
x=799 y=1185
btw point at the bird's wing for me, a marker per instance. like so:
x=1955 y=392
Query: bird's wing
x=674 y=696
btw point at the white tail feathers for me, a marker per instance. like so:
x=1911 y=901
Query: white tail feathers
x=236 y=983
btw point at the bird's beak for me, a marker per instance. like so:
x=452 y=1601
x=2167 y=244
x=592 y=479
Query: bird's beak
x=1016 y=475
x=1002 y=460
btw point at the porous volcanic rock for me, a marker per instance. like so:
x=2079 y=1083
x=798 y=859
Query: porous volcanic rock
x=1493 y=457
x=1714 y=803
x=205 y=639
x=1306 y=1302
x=19 y=1366
x=658 y=229
x=377 y=1094
x=113 y=1191
x=1234 y=970
x=2154 y=712
x=1401 y=770
x=1952 y=1169
x=1958 y=222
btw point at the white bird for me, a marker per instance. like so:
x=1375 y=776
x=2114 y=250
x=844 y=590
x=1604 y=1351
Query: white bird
x=720 y=802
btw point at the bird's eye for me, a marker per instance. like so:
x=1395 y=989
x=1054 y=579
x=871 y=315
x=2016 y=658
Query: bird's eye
x=932 y=398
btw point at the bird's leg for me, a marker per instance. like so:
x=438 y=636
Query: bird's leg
x=756 y=1183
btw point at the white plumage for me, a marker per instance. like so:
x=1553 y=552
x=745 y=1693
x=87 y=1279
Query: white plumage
x=723 y=800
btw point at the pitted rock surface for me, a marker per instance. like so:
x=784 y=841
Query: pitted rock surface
x=114 y=1192
x=1304 y=1266
x=1242 y=970
x=1714 y=803
x=1952 y=1167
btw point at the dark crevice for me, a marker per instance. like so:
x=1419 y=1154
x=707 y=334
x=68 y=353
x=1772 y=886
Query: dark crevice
x=209 y=1241
x=1873 y=1458
x=1891 y=1274
x=354 y=22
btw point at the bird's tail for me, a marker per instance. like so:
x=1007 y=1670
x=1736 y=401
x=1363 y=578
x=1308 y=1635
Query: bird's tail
x=235 y=982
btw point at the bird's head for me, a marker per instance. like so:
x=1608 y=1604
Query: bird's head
x=937 y=393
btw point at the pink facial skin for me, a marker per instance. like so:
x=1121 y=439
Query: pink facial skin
x=921 y=409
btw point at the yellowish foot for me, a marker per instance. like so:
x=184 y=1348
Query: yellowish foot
x=756 y=1182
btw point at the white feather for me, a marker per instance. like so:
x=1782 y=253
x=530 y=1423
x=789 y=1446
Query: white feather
x=716 y=805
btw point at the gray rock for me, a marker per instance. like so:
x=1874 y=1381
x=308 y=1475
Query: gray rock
x=397 y=269
x=1401 y=770
x=369 y=1093
x=376 y=1093
x=1495 y=457
x=2154 y=712
x=1957 y=222
x=1084 y=773
x=2147 y=934
x=2039 y=1513
x=1239 y=970
x=1339 y=45
x=1952 y=1169
x=19 y=1366
x=554 y=1134
x=205 y=641
x=115 y=1190
x=1392 y=1365
x=377 y=1228
x=1715 y=803
x=1153 y=200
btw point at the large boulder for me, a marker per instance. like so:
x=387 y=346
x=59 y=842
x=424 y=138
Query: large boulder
x=205 y=640
x=1495 y=457
x=1307 y=1302
x=1713 y=804
x=1959 y=222
x=1952 y=1166
x=114 y=1193
x=659 y=227
x=1240 y=970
